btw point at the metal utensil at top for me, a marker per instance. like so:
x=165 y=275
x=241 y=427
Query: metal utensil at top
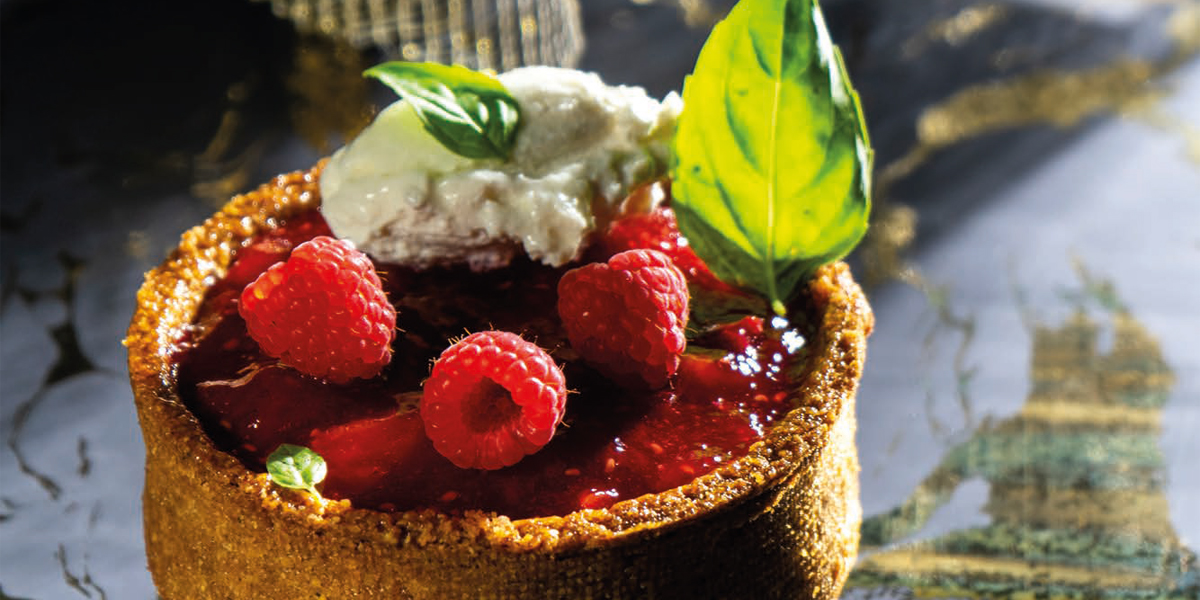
x=481 y=34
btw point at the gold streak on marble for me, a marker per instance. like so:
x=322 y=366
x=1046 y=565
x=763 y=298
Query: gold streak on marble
x=966 y=23
x=1060 y=412
x=892 y=231
x=1183 y=26
x=1183 y=29
x=1125 y=512
x=1169 y=123
x=1061 y=98
x=222 y=139
x=1192 y=139
x=957 y=324
x=218 y=181
x=936 y=563
x=1134 y=344
x=216 y=175
x=1116 y=381
x=1046 y=96
x=956 y=29
x=1072 y=390
x=901 y=167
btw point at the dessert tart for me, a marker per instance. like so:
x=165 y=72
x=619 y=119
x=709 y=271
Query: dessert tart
x=771 y=511
x=781 y=521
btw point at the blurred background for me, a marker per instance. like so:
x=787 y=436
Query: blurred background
x=1029 y=416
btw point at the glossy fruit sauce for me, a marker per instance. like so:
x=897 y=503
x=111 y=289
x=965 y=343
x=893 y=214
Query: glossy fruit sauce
x=613 y=444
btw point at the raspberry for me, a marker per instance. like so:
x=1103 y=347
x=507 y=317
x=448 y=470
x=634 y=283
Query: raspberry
x=323 y=312
x=492 y=399
x=657 y=230
x=627 y=317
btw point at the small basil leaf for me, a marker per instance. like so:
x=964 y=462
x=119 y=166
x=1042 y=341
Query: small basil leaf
x=469 y=112
x=296 y=467
x=771 y=162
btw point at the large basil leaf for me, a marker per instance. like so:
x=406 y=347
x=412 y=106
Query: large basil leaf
x=469 y=112
x=771 y=167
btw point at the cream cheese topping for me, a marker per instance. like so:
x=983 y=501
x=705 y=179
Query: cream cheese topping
x=402 y=197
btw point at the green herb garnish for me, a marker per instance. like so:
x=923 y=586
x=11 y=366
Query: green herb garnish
x=296 y=467
x=469 y=112
x=771 y=160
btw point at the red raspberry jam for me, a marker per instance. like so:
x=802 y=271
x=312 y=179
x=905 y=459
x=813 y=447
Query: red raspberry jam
x=734 y=381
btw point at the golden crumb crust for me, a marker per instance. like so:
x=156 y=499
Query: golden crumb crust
x=781 y=522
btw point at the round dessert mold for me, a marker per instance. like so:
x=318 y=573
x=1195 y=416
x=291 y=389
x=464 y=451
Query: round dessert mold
x=781 y=521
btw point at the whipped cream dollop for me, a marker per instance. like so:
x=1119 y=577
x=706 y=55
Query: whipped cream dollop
x=402 y=197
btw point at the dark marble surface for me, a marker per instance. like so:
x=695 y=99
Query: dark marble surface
x=1028 y=419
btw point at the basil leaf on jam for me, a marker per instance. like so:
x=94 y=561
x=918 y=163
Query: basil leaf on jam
x=771 y=160
x=469 y=112
x=297 y=468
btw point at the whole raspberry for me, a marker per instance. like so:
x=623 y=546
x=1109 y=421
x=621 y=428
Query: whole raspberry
x=627 y=317
x=492 y=399
x=323 y=312
x=657 y=230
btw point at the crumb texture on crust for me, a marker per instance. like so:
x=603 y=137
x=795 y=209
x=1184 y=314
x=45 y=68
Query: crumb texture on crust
x=781 y=522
